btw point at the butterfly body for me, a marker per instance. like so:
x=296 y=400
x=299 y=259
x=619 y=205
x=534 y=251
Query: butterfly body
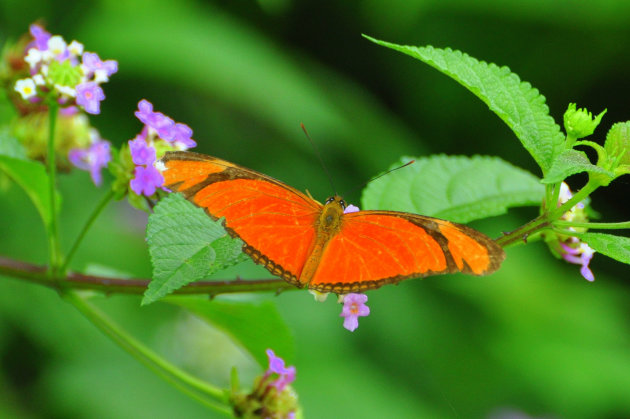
x=318 y=246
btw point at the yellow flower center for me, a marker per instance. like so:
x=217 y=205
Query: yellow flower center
x=354 y=308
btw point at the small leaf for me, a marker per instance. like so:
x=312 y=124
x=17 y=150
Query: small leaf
x=569 y=163
x=185 y=246
x=517 y=103
x=456 y=188
x=254 y=326
x=32 y=177
x=615 y=247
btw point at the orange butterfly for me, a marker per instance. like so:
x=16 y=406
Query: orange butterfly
x=319 y=246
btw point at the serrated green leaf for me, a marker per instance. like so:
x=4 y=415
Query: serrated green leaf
x=32 y=177
x=517 y=103
x=455 y=188
x=615 y=247
x=185 y=246
x=254 y=326
x=569 y=163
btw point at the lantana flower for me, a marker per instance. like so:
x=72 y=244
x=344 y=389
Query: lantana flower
x=63 y=70
x=353 y=308
x=285 y=375
x=159 y=135
x=272 y=396
x=94 y=158
x=571 y=248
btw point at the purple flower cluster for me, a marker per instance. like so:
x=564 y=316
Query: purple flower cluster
x=73 y=75
x=353 y=308
x=286 y=375
x=93 y=158
x=160 y=133
x=572 y=249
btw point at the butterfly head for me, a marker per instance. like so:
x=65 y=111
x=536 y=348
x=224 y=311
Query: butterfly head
x=337 y=200
x=330 y=218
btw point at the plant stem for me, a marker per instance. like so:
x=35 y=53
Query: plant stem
x=201 y=391
x=523 y=232
x=575 y=199
x=603 y=226
x=53 y=230
x=38 y=275
x=99 y=208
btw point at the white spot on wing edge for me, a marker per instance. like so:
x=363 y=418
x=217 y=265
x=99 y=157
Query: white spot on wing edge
x=159 y=164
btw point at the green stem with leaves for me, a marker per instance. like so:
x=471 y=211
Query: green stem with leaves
x=201 y=391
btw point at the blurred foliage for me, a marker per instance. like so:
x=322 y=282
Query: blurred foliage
x=535 y=337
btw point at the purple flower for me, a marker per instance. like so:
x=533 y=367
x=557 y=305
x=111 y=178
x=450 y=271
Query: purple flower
x=145 y=111
x=146 y=180
x=41 y=37
x=580 y=255
x=92 y=159
x=353 y=308
x=351 y=208
x=276 y=366
x=89 y=96
x=285 y=379
x=141 y=152
x=93 y=63
x=183 y=135
x=162 y=124
x=69 y=111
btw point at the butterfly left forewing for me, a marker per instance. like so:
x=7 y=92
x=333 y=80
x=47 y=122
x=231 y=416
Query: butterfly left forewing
x=374 y=248
x=275 y=221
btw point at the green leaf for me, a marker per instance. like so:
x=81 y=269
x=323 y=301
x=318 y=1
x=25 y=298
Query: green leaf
x=456 y=188
x=185 y=246
x=517 y=103
x=254 y=326
x=10 y=146
x=32 y=177
x=615 y=247
x=569 y=163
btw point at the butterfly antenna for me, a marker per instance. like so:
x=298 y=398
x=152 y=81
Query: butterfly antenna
x=389 y=171
x=319 y=156
x=382 y=174
x=379 y=176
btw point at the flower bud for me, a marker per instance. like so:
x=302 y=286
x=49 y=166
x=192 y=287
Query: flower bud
x=617 y=143
x=64 y=73
x=71 y=131
x=579 y=123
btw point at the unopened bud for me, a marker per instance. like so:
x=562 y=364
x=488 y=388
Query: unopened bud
x=579 y=123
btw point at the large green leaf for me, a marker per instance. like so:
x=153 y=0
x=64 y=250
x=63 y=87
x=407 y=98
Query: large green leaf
x=254 y=326
x=615 y=247
x=32 y=177
x=185 y=246
x=456 y=188
x=569 y=163
x=517 y=103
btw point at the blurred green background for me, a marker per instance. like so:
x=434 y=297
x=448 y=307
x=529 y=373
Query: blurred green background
x=533 y=339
